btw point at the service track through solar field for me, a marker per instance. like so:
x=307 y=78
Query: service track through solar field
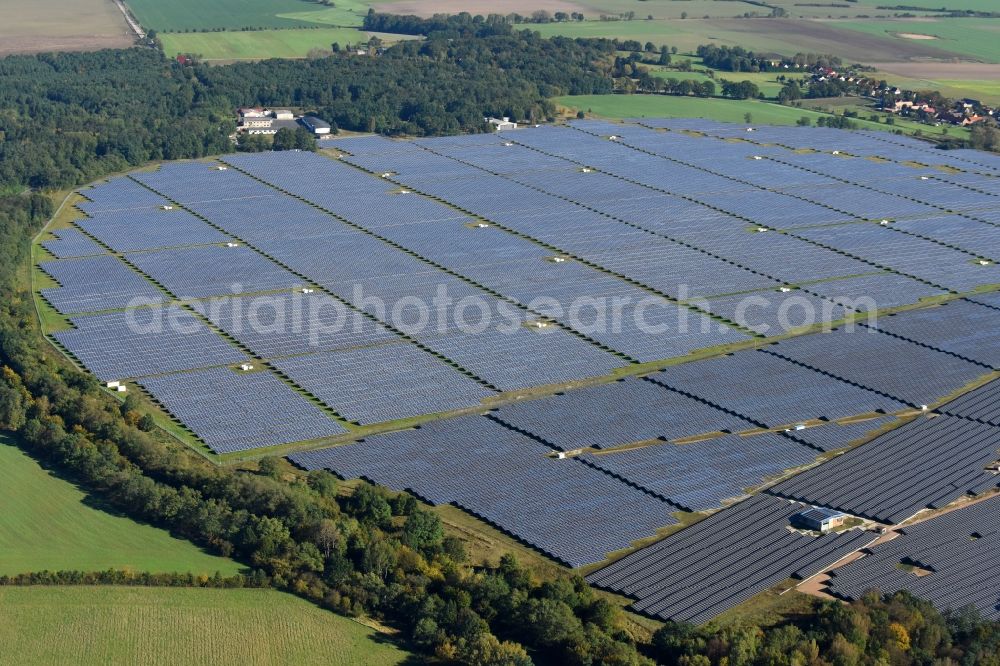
x=574 y=332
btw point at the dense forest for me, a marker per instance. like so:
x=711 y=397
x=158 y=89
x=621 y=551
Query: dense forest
x=68 y=119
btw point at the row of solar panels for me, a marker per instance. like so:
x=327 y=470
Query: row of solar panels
x=951 y=560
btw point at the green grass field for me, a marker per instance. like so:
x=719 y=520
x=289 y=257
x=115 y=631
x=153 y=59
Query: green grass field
x=785 y=36
x=259 y=43
x=976 y=38
x=344 y=13
x=987 y=90
x=46 y=523
x=151 y=626
x=201 y=15
x=180 y=15
x=766 y=81
x=725 y=110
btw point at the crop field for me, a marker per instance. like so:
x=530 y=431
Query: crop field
x=48 y=523
x=160 y=626
x=69 y=25
x=257 y=44
x=184 y=15
x=974 y=38
x=784 y=36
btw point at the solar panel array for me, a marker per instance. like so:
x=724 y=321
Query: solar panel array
x=540 y=225
x=982 y=404
x=149 y=228
x=772 y=391
x=835 y=435
x=873 y=292
x=715 y=564
x=237 y=411
x=284 y=324
x=93 y=284
x=622 y=412
x=927 y=463
x=69 y=243
x=880 y=362
x=699 y=476
x=573 y=512
x=950 y=560
x=148 y=341
x=962 y=328
x=119 y=193
x=383 y=383
x=213 y=270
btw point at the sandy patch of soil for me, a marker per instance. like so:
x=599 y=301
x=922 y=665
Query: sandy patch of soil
x=914 y=35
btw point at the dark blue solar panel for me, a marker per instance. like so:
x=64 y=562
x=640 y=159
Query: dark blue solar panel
x=237 y=411
x=146 y=341
x=97 y=283
x=384 y=382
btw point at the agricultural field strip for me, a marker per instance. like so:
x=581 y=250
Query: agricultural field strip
x=957 y=551
x=752 y=549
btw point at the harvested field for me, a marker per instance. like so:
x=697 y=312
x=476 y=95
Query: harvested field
x=973 y=71
x=61 y=25
x=823 y=37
